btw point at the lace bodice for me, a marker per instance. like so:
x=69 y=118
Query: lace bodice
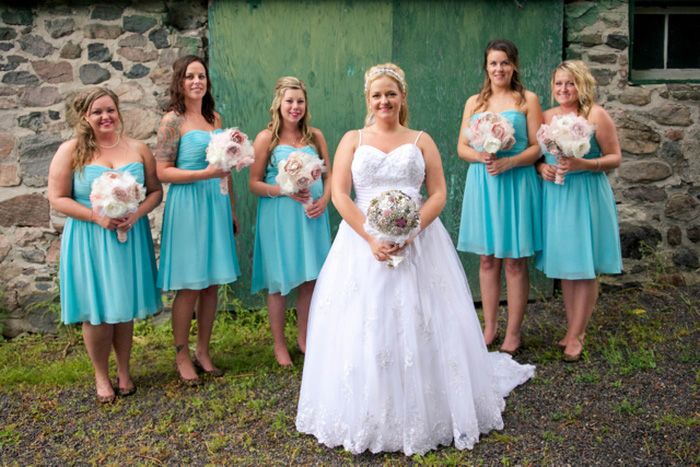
x=375 y=171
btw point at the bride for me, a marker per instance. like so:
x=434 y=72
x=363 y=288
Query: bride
x=395 y=358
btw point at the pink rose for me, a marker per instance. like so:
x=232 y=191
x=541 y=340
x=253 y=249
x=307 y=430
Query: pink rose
x=233 y=150
x=293 y=166
x=508 y=143
x=302 y=181
x=135 y=192
x=553 y=148
x=541 y=133
x=316 y=172
x=120 y=194
x=577 y=130
x=237 y=136
x=498 y=131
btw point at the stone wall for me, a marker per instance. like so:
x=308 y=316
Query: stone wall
x=657 y=187
x=53 y=50
x=49 y=53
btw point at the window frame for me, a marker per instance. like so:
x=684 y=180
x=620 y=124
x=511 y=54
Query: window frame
x=661 y=75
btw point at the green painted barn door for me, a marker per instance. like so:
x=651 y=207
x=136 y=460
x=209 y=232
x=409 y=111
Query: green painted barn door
x=329 y=44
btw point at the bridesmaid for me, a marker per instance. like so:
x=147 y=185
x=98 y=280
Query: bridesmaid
x=198 y=251
x=581 y=234
x=118 y=282
x=501 y=218
x=291 y=241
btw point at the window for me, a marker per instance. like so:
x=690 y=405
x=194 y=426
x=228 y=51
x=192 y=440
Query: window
x=665 y=43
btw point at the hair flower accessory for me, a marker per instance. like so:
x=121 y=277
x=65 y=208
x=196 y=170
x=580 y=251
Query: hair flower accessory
x=385 y=70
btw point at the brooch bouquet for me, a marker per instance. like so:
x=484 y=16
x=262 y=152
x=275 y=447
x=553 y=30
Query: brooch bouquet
x=116 y=194
x=228 y=149
x=491 y=132
x=566 y=135
x=298 y=171
x=393 y=217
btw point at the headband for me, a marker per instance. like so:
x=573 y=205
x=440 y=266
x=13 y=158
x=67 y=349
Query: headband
x=385 y=70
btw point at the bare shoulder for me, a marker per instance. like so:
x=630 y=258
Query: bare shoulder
x=599 y=115
x=218 y=122
x=66 y=150
x=265 y=136
x=425 y=141
x=136 y=145
x=172 y=119
x=317 y=133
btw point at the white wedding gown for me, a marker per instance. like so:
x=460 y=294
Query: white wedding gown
x=395 y=358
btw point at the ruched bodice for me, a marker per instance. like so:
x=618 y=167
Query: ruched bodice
x=82 y=181
x=375 y=171
x=192 y=152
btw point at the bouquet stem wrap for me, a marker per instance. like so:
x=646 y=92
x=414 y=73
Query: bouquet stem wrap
x=393 y=217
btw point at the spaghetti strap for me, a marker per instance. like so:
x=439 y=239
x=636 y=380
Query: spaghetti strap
x=415 y=142
x=360 y=142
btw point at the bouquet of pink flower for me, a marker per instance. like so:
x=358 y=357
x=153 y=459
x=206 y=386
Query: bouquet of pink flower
x=566 y=135
x=392 y=217
x=228 y=149
x=116 y=194
x=298 y=171
x=491 y=132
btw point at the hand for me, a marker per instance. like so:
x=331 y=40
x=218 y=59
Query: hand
x=107 y=222
x=380 y=250
x=499 y=166
x=567 y=164
x=548 y=172
x=316 y=208
x=396 y=249
x=213 y=172
x=486 y=157
x=128 y=222
x=302 y=196
x=236 y=225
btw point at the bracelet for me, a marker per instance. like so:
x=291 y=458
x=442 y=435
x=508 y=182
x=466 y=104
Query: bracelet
x=268 y=193
x=597 y=167
x=91 y=213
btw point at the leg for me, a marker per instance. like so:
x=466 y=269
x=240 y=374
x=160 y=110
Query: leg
x=518 y=287
x=276 y=310
x=206 y=314
x=490 y=282
x=585 y=299
x=568 y=291
x=121 y=341
x=183 y=307
x=304 y=294
x=98 y=342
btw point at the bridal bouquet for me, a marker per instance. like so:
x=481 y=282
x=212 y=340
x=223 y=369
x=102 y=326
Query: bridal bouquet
x=228 y=149
x=393 y=217
x=566 y=135
x=298 y=171
x=491 y=132
x=116 y=194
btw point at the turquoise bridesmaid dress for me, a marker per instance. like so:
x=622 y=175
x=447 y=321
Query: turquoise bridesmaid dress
x=197 y=248
x=102 y=279
x=290 y=248
x=501 y=214
x=580 y=231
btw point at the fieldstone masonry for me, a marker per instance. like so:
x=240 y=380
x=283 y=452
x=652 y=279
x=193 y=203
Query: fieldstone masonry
x=49 y=53
x=53 y=50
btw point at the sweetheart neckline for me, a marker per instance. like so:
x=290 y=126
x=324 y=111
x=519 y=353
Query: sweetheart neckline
x=112 y=168
x=386 y=153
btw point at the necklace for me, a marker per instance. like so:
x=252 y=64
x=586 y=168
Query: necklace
x=112 y=146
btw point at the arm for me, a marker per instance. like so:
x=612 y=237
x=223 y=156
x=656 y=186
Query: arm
x=317 y=208
x=464 y=150
x=60 y=189
x=533 y=114
x=606 y=136
x=169 y=134
x=341 y=184
x=434 y=182
x=154 y=189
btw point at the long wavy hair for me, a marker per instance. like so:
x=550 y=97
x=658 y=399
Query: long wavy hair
x=584 y=82
x=177 y=92
x=516 y=86
x=390 y=70
x=307 y=136
x=86 y=145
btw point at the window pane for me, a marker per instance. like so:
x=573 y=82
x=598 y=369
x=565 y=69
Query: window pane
x=648 y=42
x=683 y=43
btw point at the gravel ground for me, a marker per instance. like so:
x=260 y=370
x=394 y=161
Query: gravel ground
x=633 y=400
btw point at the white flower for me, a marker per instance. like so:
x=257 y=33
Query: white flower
x=492 y=145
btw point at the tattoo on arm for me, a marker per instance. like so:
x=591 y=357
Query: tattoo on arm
x=168 y=138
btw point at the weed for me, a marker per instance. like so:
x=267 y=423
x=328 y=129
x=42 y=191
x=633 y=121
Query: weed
x=587 y=378
x=9 y=436
x=629 y=408
x=552 y=437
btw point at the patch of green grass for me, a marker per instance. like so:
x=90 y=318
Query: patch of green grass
x=432 y=458
x=587 y=378
x=629 y=408
x=552 y=437
x=8 y=435
x=676 y=420
x=627 y=360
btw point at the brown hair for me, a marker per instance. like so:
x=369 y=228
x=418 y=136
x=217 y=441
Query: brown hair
x=584 y=82
x=86 y=142
x=390 y=70
x=516 y=86
x=283 y=84
x=177 y=93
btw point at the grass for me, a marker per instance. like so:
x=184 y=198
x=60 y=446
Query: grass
x=639 y=375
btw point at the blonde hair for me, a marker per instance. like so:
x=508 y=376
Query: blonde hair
x=584 y=82
x=307 y=136
x=395 y=73
x=87 y=145
x=516 y=86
